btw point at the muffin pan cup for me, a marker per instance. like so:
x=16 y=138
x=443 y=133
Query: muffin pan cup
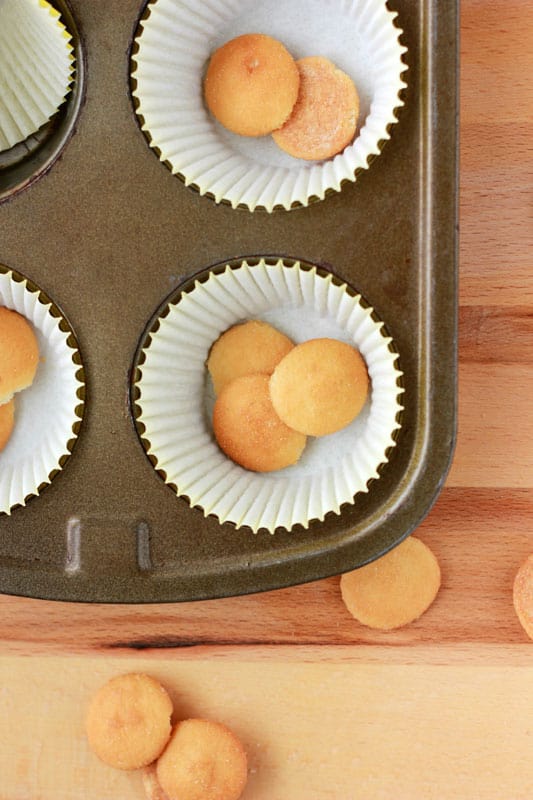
x=360 y=36
x=23 y=163
x=174 y=397
x=110 y=233
x=36 y=68
x=48 y=414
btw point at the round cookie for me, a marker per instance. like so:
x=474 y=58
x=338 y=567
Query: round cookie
x=245 y=349
x=204 y=760
x=395 y=589
x=320 y=386
x=523 y=595
x=19 y=353
x=324 y=119
x=128 y=721
x=7 y=422
x=248 y=429
x=251 y=84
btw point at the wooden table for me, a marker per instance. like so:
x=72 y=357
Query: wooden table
x=327 y=708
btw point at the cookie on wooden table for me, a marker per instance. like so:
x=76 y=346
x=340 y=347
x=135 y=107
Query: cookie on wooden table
x=204 y=760
x=395 y=589
x=128 y=721
x=523 y=595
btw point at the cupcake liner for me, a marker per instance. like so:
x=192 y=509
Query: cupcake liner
x=48 y=413
x=174 y=396
x=169 y=58
x=36 y=67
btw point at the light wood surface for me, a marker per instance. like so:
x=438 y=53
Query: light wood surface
x=329 y=709
x=314 y=726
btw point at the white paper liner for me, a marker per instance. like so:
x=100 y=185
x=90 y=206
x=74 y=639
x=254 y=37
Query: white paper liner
x=36 y=67
x=46 y=413
x=176 y=397
x=175 y=43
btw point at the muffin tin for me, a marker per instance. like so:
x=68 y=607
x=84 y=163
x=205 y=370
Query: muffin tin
x=109 y=233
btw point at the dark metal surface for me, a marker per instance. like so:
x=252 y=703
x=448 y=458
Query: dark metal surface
x=108 y=233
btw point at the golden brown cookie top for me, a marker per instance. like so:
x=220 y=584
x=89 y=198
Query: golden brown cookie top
x=320 y=386
x=128 y=721
x=523 y=595
x=324 y=119
x=395 y=589
x=251 y=84
x=19 y=353
x=248 y=429
x=244 y=349
x=204 y=760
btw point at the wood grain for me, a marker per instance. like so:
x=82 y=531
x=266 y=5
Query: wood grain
x=496 y=218
x=495 y=335
x=480 y=537
x=495 y=432
x=337 y=729
x=327 y=708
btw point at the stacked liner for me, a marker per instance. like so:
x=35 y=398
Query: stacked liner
x=173 y=49
x=36 y=67
x=175 y=396
x=47 y=413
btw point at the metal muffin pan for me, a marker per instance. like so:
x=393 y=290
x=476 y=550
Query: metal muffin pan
x=109 y=233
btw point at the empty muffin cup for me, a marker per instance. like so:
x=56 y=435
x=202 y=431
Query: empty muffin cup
x=169 y=57
x=48 y=413
x=173 y=396
x=36 y=67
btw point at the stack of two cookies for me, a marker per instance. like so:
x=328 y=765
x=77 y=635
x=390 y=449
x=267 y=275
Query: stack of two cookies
x=273 y=394
x=254 y=87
